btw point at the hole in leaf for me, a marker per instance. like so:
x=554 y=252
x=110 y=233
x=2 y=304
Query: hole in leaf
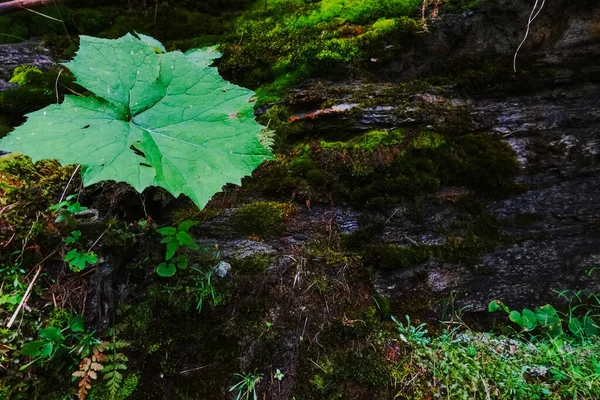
x=145 y=165
x=85 y=127
x=137 y=151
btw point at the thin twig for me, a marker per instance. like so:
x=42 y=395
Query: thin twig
x=195 y=369
x=68 y=183
x=321 y=368
x=304 y=329
x=63 y=22
x=26 y=295
x=56 y=85
x=532 y=17
x=97 y=240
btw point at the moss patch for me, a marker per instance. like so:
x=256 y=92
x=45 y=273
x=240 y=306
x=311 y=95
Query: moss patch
x=262 y=218
x=380 y=168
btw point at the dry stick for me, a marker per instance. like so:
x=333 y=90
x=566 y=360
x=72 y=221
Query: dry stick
x=195 y=369
x=18 y=5
x=97 y=240
x=68 y=183
x=26 y=295
x=56 y=85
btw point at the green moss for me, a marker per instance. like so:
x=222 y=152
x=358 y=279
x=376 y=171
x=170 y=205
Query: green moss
x=186 y=210
x=380 y=168
x=297 y=39
x=384 y=25
x=361 y=11
x=427 y=141
x=319 y=284
x=367 y=368
x=91 y=21
x=25 y=74
x=368 y=142
x=475 y=233
x=393 y=257
x=262 y=218
x=138 y=319
x=36 y=184
x=277 y=118
x=252 y=266
x=25 y=99
x=455 y=6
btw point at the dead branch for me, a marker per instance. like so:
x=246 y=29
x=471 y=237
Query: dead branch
x=18 y=5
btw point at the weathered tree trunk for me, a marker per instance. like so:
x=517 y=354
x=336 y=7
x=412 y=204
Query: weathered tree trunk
x=17 y=5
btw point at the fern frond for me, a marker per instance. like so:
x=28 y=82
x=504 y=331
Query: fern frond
x=266 y=137
x=114 y=363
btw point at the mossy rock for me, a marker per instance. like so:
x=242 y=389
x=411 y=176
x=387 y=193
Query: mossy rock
x=262 y=218
x=381 y=168
x=393 y=256
x=343 y=370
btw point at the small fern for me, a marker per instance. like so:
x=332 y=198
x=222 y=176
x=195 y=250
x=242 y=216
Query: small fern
x=115 y=362
x=266 y=137
x=88 y=370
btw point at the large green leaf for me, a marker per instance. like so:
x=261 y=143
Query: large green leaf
x=157 y=119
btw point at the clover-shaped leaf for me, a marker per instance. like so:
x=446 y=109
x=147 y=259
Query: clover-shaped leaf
x=166 y=269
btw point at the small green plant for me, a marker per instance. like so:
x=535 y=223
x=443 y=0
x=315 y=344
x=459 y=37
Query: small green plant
x=66 y=208
x=278 y=375
x=53 y=342
x=175 y=238
x=582 y=319
x=168 y=269
x=73 y=237
x=461 y=364
x=50 y=343
x=410 y=333
x=12 y=287
x=205 y=288
x=544 y=317
x=247 y=385
x=79 y=260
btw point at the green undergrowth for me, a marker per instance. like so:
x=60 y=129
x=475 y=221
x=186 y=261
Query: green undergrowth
x=460 y=363
x=190 y=336
x=26 y=190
